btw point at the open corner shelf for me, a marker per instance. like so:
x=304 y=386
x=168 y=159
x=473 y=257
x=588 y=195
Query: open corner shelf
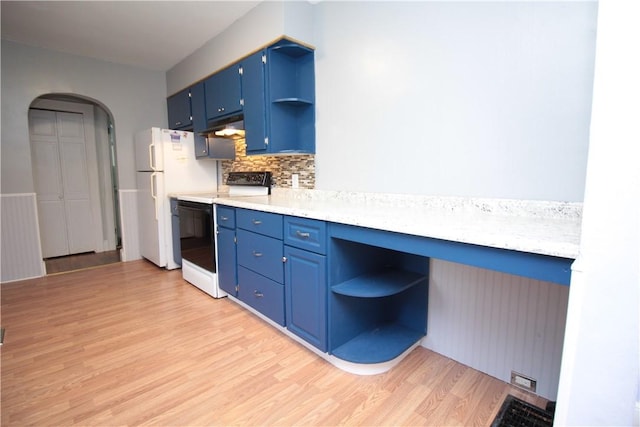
x=378 y=345
x=292 y=49
x=379 y=284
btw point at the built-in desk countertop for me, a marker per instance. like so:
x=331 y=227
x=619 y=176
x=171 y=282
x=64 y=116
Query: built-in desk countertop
x=547 y=232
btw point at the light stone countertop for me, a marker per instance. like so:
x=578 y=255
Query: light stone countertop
x=548 y=228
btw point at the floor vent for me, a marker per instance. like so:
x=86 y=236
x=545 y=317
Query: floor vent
x=518 y=413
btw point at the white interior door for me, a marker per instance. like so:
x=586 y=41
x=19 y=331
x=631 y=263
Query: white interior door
x=62 y=182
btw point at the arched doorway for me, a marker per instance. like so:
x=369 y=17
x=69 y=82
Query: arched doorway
x=75 y=174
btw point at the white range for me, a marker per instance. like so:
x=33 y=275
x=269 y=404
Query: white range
x=198 y=239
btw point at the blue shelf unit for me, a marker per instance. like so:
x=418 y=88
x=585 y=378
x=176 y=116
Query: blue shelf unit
x=377 y=301
x=278 y=88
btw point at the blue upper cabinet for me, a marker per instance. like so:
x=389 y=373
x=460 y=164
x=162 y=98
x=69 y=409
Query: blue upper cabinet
x=223 y=94
x=199 y=119
x=278 y=88
x=179 y=110
x=198 y=113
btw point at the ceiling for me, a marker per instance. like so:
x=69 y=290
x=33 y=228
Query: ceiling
x=154 y=35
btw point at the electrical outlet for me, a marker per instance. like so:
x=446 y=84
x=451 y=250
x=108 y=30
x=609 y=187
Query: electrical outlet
x=294 y=180
x=523 y=381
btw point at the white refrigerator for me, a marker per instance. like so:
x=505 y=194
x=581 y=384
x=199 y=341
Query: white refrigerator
x=165 y=165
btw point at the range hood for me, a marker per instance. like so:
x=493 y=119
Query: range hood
x=229 y=127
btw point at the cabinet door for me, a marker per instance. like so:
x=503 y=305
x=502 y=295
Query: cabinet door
x=198 y=112
x=199 y=119
x=201 y=147
x=222 y=93
x=175 y=231
x=253 y=94
x=179 y=110
x=227 y=270
x=306 y=295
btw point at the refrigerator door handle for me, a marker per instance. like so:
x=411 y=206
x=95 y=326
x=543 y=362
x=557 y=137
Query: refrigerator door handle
x=152 y=164
x=154 y=194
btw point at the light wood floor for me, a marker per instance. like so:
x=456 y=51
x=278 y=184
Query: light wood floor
x=130 y=344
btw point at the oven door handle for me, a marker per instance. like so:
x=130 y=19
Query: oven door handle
x=196 y=206
x=189 y=208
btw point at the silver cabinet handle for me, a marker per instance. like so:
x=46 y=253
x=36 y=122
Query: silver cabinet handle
x=257 y=254
x=256 y=221
x=302 y=235
x=258 y=294
x=224 y=218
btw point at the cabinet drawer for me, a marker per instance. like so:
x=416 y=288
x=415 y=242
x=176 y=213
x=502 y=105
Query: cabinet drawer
x=266 y=223
x=303 y=233
x=261 y=254
x=225 y=216
x=263 y=294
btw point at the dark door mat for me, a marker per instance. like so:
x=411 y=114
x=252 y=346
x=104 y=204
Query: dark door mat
x=518 y=413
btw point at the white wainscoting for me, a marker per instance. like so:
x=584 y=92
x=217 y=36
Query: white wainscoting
x=129 y=221
x=21 y=252
x=496 y=322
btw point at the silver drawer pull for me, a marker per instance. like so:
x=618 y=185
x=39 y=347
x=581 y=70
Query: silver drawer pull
x=302 y=235
x=224 y=218
x=257 y=254
x=258 y=294
x=256 y=221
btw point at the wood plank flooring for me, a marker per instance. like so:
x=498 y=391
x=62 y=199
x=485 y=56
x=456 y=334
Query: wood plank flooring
x=131 y=344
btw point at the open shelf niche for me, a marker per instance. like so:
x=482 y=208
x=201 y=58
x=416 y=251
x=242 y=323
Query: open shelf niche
x=377 y=301
x=291 y=92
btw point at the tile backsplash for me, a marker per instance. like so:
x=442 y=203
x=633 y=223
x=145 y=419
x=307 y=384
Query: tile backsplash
x=281 y=167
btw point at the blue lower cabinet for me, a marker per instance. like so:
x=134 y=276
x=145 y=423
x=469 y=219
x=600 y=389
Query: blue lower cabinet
x=306 y=295
x=358 y=294
x=227 y=260
x=226 y=249
x=175 y=231
x=263 y=294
